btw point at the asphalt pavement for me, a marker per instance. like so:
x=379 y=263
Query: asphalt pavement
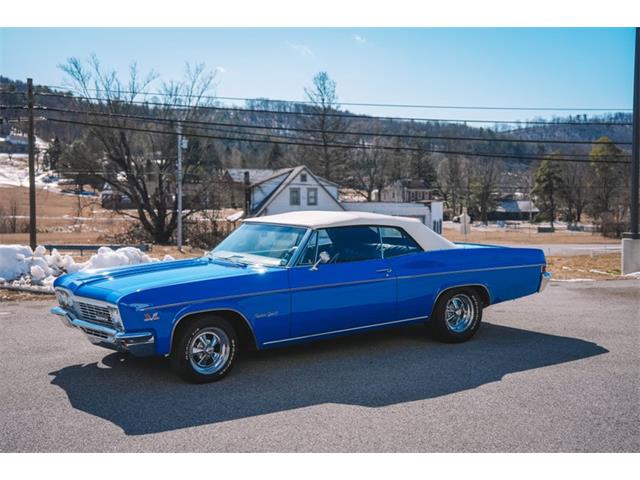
x=556 y=371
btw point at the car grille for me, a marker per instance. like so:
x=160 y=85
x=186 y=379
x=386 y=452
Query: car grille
x=94 y=313
x=94 y=333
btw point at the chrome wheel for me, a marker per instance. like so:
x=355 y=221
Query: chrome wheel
x=209 y=350
x=459 y=313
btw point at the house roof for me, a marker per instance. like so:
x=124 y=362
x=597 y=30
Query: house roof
x=411 y=183
x=261 y=175
x=427 y=238
x=256 y=175
x=293 y=173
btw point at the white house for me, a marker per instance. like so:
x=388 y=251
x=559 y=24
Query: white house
x=298 y=188
x=405 y=190
x=292 y=189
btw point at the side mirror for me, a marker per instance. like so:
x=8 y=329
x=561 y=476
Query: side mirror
x=323 y=257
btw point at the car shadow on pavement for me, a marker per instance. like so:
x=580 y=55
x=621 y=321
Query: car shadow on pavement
x=377 y=369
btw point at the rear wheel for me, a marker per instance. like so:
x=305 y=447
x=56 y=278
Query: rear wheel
x=205 y=350
x=457 y=315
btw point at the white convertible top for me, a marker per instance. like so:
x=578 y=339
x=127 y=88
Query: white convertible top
x=427 y=238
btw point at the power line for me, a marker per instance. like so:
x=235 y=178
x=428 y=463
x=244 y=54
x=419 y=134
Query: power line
x=355 y=104
x=286 y=137
x=203 y=175
x=334 y=144
x=332 y=132
x=333 y=114
x=353 y=146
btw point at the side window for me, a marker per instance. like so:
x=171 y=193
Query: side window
x=395 y=242
x=310 y=252
x=294 y=196
x=350 y=244
x=312 y=196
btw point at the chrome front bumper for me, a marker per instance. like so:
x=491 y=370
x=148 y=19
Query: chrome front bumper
x=140 y=344
x=544 y=280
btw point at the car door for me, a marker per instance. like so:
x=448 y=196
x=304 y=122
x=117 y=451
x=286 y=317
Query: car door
x=355 y=289
x=411 y=265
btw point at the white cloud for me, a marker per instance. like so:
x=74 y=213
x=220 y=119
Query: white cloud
x=359 y=38
x=220 y=69
x=302 y=49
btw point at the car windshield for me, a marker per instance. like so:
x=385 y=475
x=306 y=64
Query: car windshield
x=260 y=243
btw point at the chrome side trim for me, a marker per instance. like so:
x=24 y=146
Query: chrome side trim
x=284 y=290
x=212 y=299
x=472 y=270
x=344 y=330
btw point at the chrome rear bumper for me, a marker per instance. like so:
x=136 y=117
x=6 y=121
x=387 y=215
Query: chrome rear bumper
x=140 y=344
x=544 y=280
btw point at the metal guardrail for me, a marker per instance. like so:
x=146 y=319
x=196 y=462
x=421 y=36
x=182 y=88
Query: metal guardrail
x=145 y=247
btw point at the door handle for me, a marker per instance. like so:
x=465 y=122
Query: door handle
x=384 y=270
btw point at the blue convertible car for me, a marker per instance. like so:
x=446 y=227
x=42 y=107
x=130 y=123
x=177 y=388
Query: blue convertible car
x=292 y=278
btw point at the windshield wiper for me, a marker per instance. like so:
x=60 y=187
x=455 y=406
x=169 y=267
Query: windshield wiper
x=233 y=259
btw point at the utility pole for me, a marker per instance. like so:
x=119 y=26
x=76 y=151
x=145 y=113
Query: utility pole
x=631 y=240
x=179 y=188
x=32 y=167
x=247 y=194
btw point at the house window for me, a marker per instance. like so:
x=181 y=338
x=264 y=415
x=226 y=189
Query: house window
x=312 y=196
x=294 y=196
x=303 y=177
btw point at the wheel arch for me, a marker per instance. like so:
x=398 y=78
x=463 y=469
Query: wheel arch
x=482 y=290
x=241 y=324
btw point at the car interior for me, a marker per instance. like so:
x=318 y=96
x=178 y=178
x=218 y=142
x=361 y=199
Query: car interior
x=351 y=244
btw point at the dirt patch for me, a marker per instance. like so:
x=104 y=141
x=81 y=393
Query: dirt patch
x=598 y=267
x=527 y=235
x=16 y=296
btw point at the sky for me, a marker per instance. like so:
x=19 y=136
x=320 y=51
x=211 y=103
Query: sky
x=573 y=68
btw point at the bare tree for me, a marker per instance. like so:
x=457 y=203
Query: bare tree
x=368 y=169
x=573 y=190
x=322 y=94
x=141 y=165
x=483 y=186
x=452 y=182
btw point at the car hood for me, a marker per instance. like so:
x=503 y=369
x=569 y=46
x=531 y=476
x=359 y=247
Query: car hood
x=111 y=284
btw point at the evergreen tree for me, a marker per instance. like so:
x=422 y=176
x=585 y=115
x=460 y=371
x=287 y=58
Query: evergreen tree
x=53 y=153
x=607 y=180
x=547 y=187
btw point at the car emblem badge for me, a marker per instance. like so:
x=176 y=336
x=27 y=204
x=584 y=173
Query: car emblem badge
x=148 y=317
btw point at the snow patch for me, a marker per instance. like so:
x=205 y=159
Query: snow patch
x=21 y=267
x=14 y=172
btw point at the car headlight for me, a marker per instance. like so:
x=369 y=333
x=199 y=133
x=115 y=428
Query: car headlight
x=114 y=313
x=64 y=299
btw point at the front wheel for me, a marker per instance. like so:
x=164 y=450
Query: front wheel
x=457 y=315
x=205 y=350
